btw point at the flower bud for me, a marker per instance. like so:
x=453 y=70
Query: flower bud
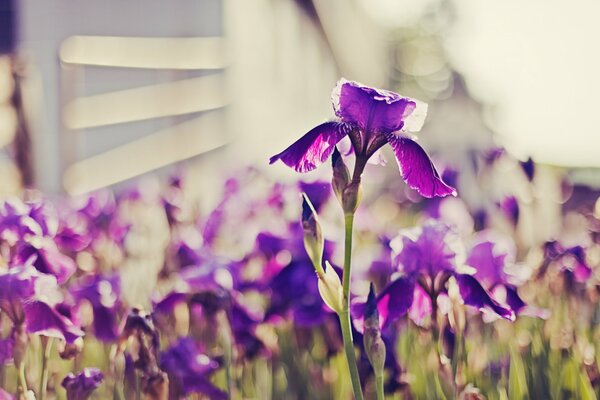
x=351 y=197
x=313 y=237
x=348 y=191
x=330 y=288
x=341 y=175
x=374 y=345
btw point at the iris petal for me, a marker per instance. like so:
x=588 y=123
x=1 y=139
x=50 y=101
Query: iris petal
x=395 y=300
x=373 y=110
x=313 y=148
x=417 y=169
x=392 y=303
x=473 y=294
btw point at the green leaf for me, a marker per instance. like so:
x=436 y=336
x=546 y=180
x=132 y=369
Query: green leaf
x=517 y=379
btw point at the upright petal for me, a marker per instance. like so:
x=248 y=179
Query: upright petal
x=376 y=110
x=417 y=169
x=313 y=148
x=427 y=250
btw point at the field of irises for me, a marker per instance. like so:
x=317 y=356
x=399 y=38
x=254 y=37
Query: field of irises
x=349 y=287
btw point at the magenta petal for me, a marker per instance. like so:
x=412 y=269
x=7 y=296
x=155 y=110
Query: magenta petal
x=44 y=320
x=395 y=300
x=473 y=294
x=392 y=303
x=5 y=395
x=313 y=148
x=417 y=169
x=420 y=311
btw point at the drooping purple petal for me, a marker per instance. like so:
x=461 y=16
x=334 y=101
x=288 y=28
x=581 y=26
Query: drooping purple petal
x=80 y=386
x=103 y=293
x=5 y=395
x=513 y=300
x=313 y=148
x=45 y=320
x=395 y=300
x=473 y=294
x=392 y=303
x=23 y=284
x=190 y=370
x=417 y=169
x=373 y=110
x=168 y=303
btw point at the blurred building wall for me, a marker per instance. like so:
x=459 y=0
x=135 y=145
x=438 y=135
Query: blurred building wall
x=43 y=26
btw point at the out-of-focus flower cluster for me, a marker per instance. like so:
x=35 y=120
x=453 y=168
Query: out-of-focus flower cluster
x=166 y=299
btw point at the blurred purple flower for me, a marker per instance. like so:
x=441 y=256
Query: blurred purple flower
x=81 y=385
x=293 y=287
x=510 y=208
x=47 y=258
x=424 y=259
x=100 y=210
x=32 y=298
x=189 y=370
x=16 y=224
x=104 y=295
x=318 y=193
x=73 y=232
x=493 y=257
x=371 y=118
x=572 y=259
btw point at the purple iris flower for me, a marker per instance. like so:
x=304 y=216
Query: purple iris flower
x=47 y=258
x=73 y=235
x=493 y=258
x=104 y=295
x=30 y=297
x=370 y=118
x=424 y=259
x=16 y=223
x=100 y=210
x=572 y=259
x=294 y=289
x=80 y=386
x=189 y=370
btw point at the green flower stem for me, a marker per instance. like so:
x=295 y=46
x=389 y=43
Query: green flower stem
x=22 y=380
x=379 y=386
x=345 y=314
x=46 y=349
